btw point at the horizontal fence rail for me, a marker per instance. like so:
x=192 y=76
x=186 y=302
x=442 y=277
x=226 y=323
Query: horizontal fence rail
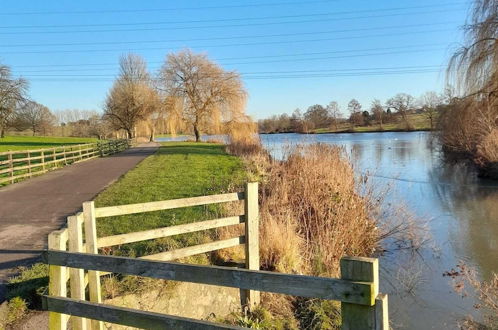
x=168 y=231
x=126 y=316
x=17 y=165
x=111 y=211
x=295 y=285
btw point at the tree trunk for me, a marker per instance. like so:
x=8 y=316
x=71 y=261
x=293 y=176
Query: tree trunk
x=197 y=134
x=130 y=135
x=2 y=132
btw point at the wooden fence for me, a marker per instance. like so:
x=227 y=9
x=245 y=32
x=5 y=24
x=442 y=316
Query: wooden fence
x=17 y=165
x=74 y=250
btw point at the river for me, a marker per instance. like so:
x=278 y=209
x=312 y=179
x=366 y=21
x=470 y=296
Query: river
x=459 y=210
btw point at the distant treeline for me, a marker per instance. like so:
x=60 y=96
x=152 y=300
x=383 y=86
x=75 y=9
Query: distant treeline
x=398 y=109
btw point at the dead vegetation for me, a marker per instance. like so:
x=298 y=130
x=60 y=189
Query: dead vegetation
x=466 y=281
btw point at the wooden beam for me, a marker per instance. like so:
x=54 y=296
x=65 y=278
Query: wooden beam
x=251 y=298
x=196 y=249
x=77 y=276
x=110 y=211
x=296 y=285
x=126 y=316
x=381 y=312
x=57 y=279
x=91 y=247
x=168 y=231
x=358 y=316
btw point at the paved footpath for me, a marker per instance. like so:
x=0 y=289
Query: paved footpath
x=31 y=209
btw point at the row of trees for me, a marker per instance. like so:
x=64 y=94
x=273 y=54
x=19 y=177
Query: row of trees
x=17 y=111
x=188 y=94
x=330 y=116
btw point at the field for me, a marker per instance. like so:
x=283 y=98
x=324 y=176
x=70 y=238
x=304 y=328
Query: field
x=177 y=170
x=419 y=122
x=38 y=142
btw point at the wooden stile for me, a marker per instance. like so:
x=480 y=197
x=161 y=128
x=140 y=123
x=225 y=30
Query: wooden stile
x=91 y=247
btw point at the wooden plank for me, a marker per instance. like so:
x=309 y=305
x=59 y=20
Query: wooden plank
x=196 y=249
x=358 y=316
x=57 y=279
x=91 y=247
x=251 y=298
x=77 y=276
x=297 y=285
x=126 y=316
x=110 y=211
x=381 y=312
x=167 y=231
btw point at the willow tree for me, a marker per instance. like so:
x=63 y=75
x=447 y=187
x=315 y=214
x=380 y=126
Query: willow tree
x=204 y=95
x=12 y=95
x=471 y=124
x=132 y=99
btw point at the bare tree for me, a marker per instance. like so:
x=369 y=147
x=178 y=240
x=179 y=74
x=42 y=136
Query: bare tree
x=377 y=111
x=132 y=98
x=354 y=108
x=334 y=113
x=205 y=93
x=430 y=101
x=402 y=103
x=12 y=95
x=34 y=116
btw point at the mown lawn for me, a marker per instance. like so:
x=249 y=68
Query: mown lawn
x=177 y=170
x=38 y=142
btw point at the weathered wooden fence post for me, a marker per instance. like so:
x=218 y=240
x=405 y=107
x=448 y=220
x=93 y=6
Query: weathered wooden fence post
x=58 y=276
x=251 y=298
x=77 y=276
x=43 y=160
x=91 y=247
x=356 y=316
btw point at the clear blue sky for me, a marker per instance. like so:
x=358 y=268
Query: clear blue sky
x=292 y=54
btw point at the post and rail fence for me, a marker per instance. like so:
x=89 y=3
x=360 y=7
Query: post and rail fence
x=17 y=165
x=73 y=257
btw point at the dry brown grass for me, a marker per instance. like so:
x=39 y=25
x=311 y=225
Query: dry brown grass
x=310 y=209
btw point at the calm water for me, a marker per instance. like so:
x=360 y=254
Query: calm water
x=461 y=212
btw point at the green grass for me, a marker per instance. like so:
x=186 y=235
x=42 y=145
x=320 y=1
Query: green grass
x=176 y=170
x=38 y=142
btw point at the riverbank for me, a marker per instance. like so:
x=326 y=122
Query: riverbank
x=417 y=123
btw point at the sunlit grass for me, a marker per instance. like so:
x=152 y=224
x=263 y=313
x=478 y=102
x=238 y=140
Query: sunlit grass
x=176 y=170
x=38 y=142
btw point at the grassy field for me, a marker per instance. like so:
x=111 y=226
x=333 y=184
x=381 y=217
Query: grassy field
x=38 y=142
x=419 y=121
x=177 y=170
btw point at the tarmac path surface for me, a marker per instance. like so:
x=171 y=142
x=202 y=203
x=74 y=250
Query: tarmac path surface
x=31 y=209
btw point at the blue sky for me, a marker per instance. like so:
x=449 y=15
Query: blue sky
x=291 y=54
